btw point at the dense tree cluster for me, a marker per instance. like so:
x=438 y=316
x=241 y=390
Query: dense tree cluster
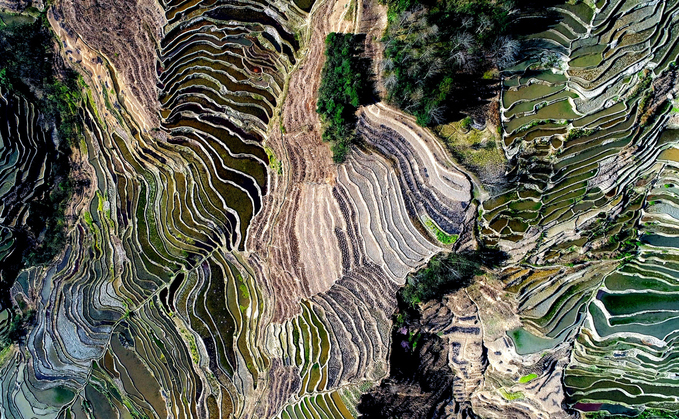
x=447 y=273
x=436 y=51
x=345 y=85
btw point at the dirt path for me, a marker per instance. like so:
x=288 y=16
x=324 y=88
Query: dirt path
x=308 y=171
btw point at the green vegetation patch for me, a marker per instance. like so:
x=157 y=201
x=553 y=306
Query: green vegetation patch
x=274 y=163
x=476 y=150
x=27 y=68
x=5 y=355
x=576 y=133
x=441 y=235
x=345 y=85
x=16 y=329
x=511 y=396
x=527 y=378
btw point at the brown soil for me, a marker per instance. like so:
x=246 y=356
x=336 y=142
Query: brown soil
x=126 y=33
x=308 y=169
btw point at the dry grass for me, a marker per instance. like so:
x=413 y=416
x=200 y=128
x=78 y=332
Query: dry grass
x=478 y=151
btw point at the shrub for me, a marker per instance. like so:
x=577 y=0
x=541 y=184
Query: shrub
x=466 y=124
x=4 y=80
x=576 y=133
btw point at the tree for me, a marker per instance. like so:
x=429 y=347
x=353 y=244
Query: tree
x=428 y=42
x=4 y=80
x=448 y=273
x=344 y=87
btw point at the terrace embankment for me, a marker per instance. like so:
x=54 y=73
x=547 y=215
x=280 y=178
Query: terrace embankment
x=630 y=323
x=27 y=156
x=223 y=265
x=591 y=182
x=579 y=124
x=434 y=188
x=307 y=172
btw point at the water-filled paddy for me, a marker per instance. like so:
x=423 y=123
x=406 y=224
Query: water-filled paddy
x=589 y=60
x=660 y=240
x=632 y=302
x=527 y=343
x=529 y=93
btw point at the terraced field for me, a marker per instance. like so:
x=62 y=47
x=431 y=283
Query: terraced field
x=584 y=120
x=221 y=70
x=169 y=300
x=582 y=129
x=218 y=264
x=630 y=325
x=25 y=156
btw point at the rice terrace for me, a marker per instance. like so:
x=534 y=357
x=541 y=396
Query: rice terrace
x=334 y=209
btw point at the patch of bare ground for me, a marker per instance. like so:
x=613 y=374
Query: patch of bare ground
x=372 y=20
x=125 y=33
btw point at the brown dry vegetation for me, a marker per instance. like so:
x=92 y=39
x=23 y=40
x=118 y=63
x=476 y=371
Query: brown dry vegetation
x=126 y=35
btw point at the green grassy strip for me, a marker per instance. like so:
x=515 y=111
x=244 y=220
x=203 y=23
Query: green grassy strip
x=511 y=396
x=441 y=235
x=527 y=378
